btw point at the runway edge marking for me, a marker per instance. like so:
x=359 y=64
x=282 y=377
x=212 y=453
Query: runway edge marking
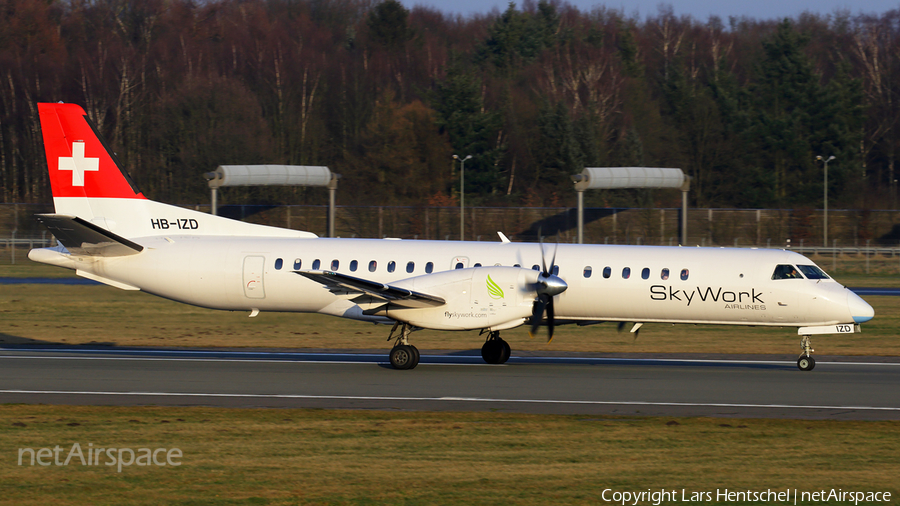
x=446 y=399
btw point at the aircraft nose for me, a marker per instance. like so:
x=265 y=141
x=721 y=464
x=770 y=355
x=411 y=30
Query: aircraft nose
x=860 y=310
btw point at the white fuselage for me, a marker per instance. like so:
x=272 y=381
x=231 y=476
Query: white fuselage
x=722 y=285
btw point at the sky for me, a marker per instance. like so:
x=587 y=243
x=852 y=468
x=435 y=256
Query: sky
x=700 y=10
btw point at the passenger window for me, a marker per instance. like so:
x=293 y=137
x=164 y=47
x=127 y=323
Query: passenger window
x=316 y=264
x=278 y=264
x=335 y=264
x=587 y=271
x=786 y=272
x=353 y=265
x=684 y=274
x=477 y=265
x=536 y=267
x=373 y=265
x=645 y=273
x=607 y=272
x=297 y=264
x=459 y=265
x=411 y=266
x=626 y=273
x=555 y=270
x=391 y=266
x=664 y=275
x=429 y=267
x=812 y=272
x=517 y=265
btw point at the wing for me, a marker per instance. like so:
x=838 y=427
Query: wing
x=81 y=237
x=343 y=284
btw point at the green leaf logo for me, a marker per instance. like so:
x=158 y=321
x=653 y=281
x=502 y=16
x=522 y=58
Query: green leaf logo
x=494 y=289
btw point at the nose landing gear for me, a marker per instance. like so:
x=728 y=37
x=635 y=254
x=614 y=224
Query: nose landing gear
x=806 y=362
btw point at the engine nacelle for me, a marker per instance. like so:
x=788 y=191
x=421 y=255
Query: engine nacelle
x=493 y=298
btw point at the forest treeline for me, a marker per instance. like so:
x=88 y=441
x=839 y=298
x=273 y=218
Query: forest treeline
x=385 y=96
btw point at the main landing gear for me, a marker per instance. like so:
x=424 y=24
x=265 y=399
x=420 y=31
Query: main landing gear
x=403 y=355
x=806 y=362
x=406 y=356
x=495 y=350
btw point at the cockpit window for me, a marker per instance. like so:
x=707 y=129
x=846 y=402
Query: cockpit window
x=812 y=272
x=786 y=272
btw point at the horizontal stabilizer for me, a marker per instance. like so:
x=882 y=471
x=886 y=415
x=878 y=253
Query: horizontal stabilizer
x=81 y=237
x=341 y=283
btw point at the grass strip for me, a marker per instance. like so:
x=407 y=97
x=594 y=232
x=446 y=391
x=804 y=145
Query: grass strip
x=295 y=456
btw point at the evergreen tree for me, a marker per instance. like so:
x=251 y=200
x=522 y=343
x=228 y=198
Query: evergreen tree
x=389 y=25
x=797 y=118
x=472 y=129
x=786 y=95
x=558 y=154
x=519 y=37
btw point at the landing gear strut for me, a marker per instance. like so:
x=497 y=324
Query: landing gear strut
x=403 y=355
x=495 y=349
x=806 y=362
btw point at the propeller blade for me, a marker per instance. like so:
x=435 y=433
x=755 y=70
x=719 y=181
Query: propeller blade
x=543 y=259
x=553 y=260
x=537 y=312
x=550 y=320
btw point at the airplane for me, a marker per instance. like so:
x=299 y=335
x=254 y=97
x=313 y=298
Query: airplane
x=108 y=231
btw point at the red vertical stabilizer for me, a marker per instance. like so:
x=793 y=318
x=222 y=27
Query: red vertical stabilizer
x=79 y=161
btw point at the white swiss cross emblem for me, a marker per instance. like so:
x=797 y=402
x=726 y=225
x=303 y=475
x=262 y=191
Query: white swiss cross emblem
x=78 y=164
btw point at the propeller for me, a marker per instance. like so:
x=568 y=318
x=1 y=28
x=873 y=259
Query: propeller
x=548 y=284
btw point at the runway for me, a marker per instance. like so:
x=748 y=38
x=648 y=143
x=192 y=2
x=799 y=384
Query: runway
x=459 y=381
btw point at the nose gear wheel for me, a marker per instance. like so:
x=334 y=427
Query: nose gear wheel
x=806 y=362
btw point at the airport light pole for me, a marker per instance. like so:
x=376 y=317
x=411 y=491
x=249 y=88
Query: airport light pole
x=462 y=195
x=825 y=198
